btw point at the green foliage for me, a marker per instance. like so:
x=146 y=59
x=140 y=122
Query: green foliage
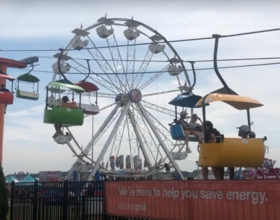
x=4 y=196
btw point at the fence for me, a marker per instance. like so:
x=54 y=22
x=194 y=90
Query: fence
x=57 y=201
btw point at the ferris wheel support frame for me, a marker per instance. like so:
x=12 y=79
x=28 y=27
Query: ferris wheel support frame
x=164 y=147
x=139 y=138
x=109 y=140
x=91 y=143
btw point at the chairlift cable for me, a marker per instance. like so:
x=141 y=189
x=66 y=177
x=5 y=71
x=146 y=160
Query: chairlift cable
x=185 y=61
x=141 y=44
x=197 y=69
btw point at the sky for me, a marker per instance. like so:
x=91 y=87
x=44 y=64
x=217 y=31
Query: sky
x=28 y=143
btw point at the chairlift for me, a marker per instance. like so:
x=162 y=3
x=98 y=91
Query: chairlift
x=31 y=79
x=232 y=152
x=64 y=116
x=89 y=109
x=54 y=114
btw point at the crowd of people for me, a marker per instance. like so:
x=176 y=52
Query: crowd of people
x=209 y=135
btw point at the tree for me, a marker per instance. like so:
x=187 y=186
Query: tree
x=4 y=196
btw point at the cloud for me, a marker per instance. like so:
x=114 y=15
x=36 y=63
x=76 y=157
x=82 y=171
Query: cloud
x=32 y=111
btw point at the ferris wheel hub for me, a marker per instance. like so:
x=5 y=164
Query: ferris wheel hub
x=135 y=95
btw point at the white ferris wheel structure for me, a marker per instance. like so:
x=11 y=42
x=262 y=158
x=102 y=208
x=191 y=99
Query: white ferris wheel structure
x=125 y=71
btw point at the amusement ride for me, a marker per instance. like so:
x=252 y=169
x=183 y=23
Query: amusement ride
x=130 y=126
x=134 y=135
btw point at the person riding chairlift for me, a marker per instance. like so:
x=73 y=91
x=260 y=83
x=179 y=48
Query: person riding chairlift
x=212 y=135
x=4 y=89
x=189 y=128
x=243 y=132
x=64 y=104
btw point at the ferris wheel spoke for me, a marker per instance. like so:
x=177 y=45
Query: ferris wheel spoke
x=164 y=131
x=158 y=108
x=165 y=139
x=116 y=57
x=164 y=147
x=129 y=143
x=108 y=106
x=106 y=95
x=142 y=69
x=87 y=149
x=103 y=132
x=105 y=148
x=160 y=93
x=108 y=126
x=104 y=83
x=132 y=141
x=139 y=138
x=130 y=61
x=147 y=135
x=74 y=139
x=151 y=145
x=117 y=141
x=104 y=69
x=102 y=62
x=155 y=77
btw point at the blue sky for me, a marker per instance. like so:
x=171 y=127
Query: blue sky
x=28 y=145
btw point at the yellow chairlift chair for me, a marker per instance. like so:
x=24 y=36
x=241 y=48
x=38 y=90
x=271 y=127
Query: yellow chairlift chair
x=232 y=152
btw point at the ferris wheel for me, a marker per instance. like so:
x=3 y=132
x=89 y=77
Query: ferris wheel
x=126 y=71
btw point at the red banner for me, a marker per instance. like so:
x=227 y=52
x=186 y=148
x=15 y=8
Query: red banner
x=195 y=199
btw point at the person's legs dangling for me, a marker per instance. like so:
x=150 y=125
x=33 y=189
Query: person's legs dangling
x=187 y=136
x=198 y=135
x=205 y=172
x=58 y=128
x=216 y=172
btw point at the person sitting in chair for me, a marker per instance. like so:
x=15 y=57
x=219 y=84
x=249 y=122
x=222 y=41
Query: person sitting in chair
x=64 y=104
x=189 y=128
x=197 y=128
x=4 y=89
x=183 y=116
x=243 y=132
x=212 y=135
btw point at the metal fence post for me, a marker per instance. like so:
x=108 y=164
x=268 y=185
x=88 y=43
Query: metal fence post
x=65 y=199
x=104 y=214
x=12 y=200
x=83 y=208
x=35 y=200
